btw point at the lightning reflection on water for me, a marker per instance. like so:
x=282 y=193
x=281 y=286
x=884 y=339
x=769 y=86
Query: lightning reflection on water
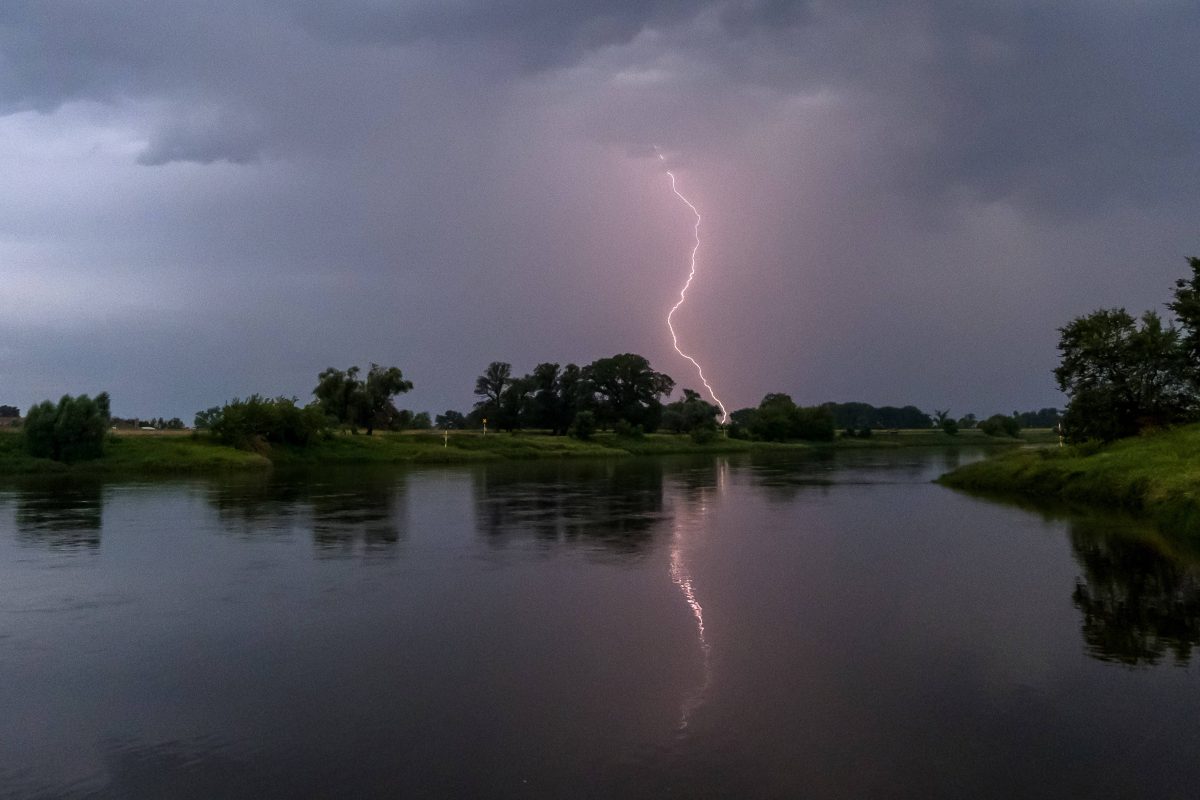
x=686 y=526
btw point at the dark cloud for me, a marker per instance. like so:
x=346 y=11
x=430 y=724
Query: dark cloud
x=438 y=184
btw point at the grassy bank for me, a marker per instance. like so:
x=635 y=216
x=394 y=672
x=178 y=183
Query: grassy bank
x=1157 y=474
x=141 y=453
x=180 y=452
x=164 y=452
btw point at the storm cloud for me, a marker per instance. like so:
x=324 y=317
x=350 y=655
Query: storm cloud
x=902 y=200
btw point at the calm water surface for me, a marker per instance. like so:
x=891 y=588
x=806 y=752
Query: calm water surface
x=722 y=627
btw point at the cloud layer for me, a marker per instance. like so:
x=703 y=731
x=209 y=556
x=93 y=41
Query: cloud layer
x=902 y=200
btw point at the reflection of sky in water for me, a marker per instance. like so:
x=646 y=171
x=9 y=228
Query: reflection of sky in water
x=641 y=627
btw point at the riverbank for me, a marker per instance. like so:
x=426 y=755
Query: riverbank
x=183 y=452
x=1158 y=475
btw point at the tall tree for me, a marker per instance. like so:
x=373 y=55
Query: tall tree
x=1186 y=306
x=337 y=393
x=354 y=402
x=73 y=430
x=689 y=414
x=1121 y=375
x=490 y=388
x=624 y=387
x=382 y=384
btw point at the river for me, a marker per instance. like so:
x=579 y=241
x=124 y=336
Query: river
x=830 y=626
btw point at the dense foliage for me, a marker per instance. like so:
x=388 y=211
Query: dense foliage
x=1124 y=375
x=256 y=420
x=8 y=412
x=779 y=419
x=1042 y=418
x=355 y=402
x=1001 y=425
x=73 y=430
x=865 y=415
x=621 y=388
x=689 y=415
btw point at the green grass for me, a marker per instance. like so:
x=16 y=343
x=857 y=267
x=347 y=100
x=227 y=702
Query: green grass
x=1157 y=474
x=172 y=453
x=154 y=454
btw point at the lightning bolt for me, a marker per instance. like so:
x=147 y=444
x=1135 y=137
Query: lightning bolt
x=683 y=292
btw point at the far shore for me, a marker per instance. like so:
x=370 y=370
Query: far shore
x=155 y=452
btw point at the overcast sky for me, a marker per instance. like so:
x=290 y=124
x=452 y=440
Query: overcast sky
x=902 y=200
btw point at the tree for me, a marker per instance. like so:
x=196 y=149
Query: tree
x=583 y=426
x=967 y=421
x=779 y=419
x=337 y=393
x=206 y=418
x=353 y=402
x=381 y=385
x=490 y=388
x=1187 y=310
x=1000 y=425
x=1122 y=376
x=865 y=415
x=625 y=387
x=553 y=400
x=73 y=430
x=450 y=421
x=279 y=420
x=1042 y=418
x=689 y=414
x=8 y=412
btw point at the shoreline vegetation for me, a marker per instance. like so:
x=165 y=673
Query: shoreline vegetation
x=1156 y=475
x=172 y=452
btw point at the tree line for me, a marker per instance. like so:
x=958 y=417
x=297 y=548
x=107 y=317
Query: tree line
x=620 y=393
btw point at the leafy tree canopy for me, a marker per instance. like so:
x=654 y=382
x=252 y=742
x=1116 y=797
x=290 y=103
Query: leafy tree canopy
x=358 y=402
x=73 y=430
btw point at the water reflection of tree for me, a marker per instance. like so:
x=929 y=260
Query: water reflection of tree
x=349 y=512
x=1140 y=600
x=362 y=515
x=613 y=503
x=59 y=513
x=257 y=505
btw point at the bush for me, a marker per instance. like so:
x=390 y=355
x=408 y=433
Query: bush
x=814 y=424
x=950 y=427
x=73 y=430
x=246 y=423
x=1000 y=425
x=623 y=428
x=583 y=426
x=704 y=435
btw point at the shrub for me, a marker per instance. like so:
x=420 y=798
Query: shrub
x=779 y=419
x=246 y=423
x=623 y=428
x=814 y=424
x=950 y=426
x=583 y=426
x=704 y=435
x=1000 y=425
x=73 y=430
